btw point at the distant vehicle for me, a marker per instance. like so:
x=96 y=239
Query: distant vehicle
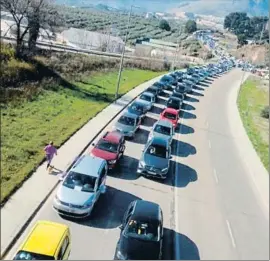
x=155 y=90
x=82 y=187
x=181 y=89
x=110 y=147
x=155 y=159
x=128 y=124
x=138 y=108
x=168 y=81
x=148 y=98
x=171 y=115
x=188 y=85
x=44 y=234
x=141 y=235
x=174 y=102
x=163 y=129
x=160 y=86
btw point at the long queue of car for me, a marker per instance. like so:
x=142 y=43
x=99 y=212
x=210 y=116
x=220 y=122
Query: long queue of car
x=141 y=234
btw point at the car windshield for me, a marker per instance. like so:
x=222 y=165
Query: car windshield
x=173 y=102
x=169 y=115
x=162 y=130
x=107 y=145
x=127 y=121
x=25 y=255
x=145 y=97
x=157 y=150
x=136 y=107
x=85 y=182
x=143 y=230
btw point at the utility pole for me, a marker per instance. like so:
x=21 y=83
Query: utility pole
x=123 y=54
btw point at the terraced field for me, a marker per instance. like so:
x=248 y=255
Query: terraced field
x=116 y=22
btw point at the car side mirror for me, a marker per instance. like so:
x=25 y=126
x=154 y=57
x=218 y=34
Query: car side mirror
x=170 y=157
x=93 y=144
x=121 y=227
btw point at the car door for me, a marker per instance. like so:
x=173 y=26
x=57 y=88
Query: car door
x=122 y=147
x=101 y=183
x=64 y=250
x=127 y=215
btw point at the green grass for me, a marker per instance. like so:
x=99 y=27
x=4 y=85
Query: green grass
x=55 y=114
x=253 y=97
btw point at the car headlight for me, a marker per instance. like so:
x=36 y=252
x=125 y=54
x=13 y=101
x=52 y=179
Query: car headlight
x=57 y=199
x=87 y=205
x=112 y=161
x=120 y=255
x=164 y=170
x=142 y=164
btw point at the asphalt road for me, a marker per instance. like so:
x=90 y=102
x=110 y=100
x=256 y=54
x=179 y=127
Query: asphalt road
x=210 y=208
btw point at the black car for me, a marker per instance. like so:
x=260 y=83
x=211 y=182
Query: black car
x=159 y=85
x=141 y=232
x=181 y=88
x=153 y=89
x=168 y=81
x=174 y=102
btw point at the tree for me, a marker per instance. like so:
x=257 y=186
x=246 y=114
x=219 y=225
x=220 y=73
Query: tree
x=164 y=25
x=29 y=16
x=191 y=26
x=241 y=39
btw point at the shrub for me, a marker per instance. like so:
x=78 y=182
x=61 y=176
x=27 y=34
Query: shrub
x=265 y=112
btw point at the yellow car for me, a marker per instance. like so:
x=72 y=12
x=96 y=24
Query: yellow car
x=46 y=241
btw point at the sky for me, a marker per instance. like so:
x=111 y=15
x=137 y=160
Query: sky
x=207 y=7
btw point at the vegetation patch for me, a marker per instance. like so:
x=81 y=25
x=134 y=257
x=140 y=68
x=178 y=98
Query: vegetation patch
x=253 y=104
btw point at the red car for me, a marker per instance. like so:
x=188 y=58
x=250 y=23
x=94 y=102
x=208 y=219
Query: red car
x=110 y=147
x=171 y=115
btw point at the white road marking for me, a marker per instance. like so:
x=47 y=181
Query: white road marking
x=215 y=175
x=230 y=232
x=209 y=144
x=177 y=229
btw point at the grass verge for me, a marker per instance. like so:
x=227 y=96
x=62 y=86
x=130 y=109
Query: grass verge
x=253 y=97
x=54 y=114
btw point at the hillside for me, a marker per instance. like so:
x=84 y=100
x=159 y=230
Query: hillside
x=114 y=22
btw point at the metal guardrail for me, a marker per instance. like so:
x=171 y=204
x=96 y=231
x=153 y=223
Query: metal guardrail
x=61 y=47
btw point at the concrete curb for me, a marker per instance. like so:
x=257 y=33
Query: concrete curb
x=6 y=250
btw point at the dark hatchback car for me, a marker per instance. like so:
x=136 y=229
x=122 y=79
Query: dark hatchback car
x=153 y=89
x=141 y=235
x=174 y=102
x=168 y=82
x=159 y=85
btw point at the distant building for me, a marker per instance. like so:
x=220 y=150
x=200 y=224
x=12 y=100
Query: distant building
x=93 y=40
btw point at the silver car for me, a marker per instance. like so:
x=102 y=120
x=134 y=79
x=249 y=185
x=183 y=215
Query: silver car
x=162 y=129
x=148 y=99
x=128 y=124
x=81 y=188
x=155 y=159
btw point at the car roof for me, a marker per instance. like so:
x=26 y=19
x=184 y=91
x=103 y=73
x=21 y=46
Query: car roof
x=44 y=238
x=130 y=115
x=159 y=141
x=164 y=123
x=112 y=136
x=149 y=94
x=146 y=210
x=88 y=165
x=171 y=110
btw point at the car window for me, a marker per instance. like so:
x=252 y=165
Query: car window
x=25 y=255
x=102 y=176
x=107 y=146
x=169 y=115
x=162 y=130
x=157 y=150
x=127 y=121
x=85 y=182
x=145 y=97
x=144 y=230
x=63 y=249
x=173 y=101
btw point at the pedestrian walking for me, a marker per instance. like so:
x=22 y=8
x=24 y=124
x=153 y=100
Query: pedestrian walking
x=50 y=151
